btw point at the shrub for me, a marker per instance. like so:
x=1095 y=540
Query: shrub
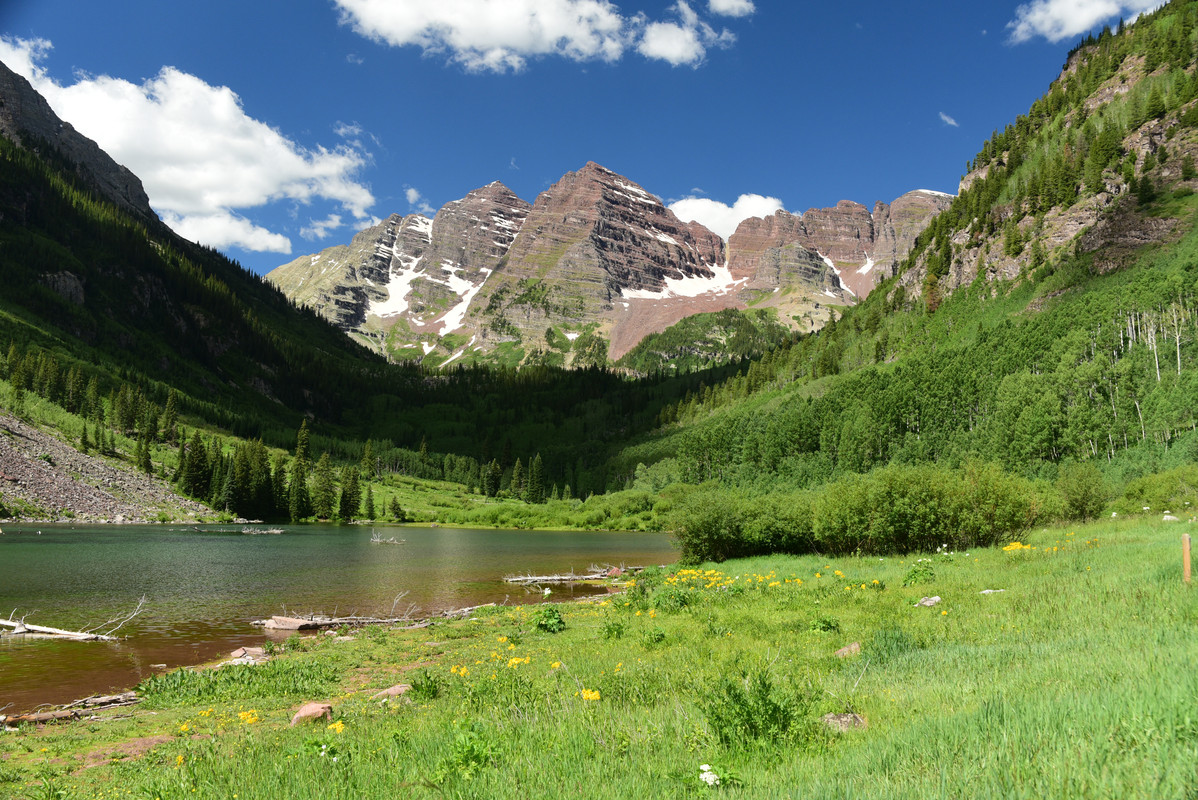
x=612 y=629
x=708 y=526
x=1082 y=489
x=1173 y=490
x=752 y=709
x=549 y=619
x=425 y=686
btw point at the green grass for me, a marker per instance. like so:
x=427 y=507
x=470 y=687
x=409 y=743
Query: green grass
x=1077 y=680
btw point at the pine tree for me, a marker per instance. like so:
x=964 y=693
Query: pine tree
x=278 y=485
x=535 y=492
x=395 y=511
x=84 y=444
x=323 y=488
x=170 y=417
x=143 y=455
x=350 y=494
x=491 y=478
x=1145 y=192
x=195 y=468
x=299 y=503
x=516 y=487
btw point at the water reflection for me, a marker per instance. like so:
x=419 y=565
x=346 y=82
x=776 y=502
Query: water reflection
x=204 y=585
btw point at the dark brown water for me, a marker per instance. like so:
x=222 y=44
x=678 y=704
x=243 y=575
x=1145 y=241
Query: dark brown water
x=204 y=586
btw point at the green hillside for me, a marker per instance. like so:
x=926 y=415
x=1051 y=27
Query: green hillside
x=1043 y=330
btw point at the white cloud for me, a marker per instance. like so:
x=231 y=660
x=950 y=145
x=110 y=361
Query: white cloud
x=201 y=158
x=225 y=229
x=417 y=201
x=321 y=228
x=731 y=8
x=1061 y=19
x=721 y=218
x=947 y=120
x=684 y=43
x=502 y=35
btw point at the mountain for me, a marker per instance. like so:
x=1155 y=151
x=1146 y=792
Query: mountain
x=592 y=267
x=1044 y=323
x=92 y=276
x=26 y=118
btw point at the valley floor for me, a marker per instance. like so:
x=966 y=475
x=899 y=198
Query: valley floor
x=1061 y=667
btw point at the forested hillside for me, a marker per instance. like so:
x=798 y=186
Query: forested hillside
x=1047 y=319
x=1043 y=331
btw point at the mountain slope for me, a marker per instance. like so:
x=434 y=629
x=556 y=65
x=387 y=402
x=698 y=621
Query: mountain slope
x=1048 y=318
x=584 y=274
x=92 y=273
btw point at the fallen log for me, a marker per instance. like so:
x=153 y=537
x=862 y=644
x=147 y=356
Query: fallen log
x=20 y=627
x=76 y=710
x=530 y=580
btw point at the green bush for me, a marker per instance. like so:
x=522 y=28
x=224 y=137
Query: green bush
x=708 y=526
x=1083 y=490
x=549 y=619
x=896 y=509
x=1174 y=490
x=752 y=709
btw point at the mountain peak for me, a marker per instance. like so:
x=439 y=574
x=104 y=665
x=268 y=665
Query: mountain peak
x=26 y=118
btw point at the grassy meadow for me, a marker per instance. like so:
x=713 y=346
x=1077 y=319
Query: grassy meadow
x=1076 y=680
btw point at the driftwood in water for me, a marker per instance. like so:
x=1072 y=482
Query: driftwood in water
x=21 y=627
x=594 y=573
x=318 y=621
x=75 y=710
x=530 y=580
x=377 y=538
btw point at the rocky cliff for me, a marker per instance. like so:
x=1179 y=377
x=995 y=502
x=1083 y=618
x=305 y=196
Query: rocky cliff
x=26 y=117
x=856 y=246
x=589 y=269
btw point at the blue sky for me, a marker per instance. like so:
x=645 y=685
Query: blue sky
x=274 y=129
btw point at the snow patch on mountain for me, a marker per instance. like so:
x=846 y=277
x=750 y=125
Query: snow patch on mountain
x=398 y=288
x=721 y=282
x=455 y=317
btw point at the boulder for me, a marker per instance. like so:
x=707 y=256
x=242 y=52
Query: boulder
x=397 y=690
x=844 y=722
x=290 y=624
x=312 y=712
x=929 y=601
x=853 y=649
x=248 y=652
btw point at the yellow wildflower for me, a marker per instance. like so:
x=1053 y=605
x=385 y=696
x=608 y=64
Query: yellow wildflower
x=590 y=694
x=337 y=727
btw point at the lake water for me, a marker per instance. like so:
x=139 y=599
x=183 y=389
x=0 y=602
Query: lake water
x=203 y=586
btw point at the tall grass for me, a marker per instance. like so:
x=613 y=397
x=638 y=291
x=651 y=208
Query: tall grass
x=1076 y=680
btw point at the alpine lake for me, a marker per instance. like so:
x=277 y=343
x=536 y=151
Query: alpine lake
x=204 y=586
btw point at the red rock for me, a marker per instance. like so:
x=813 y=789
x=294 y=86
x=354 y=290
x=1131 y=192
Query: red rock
x=312 y=712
